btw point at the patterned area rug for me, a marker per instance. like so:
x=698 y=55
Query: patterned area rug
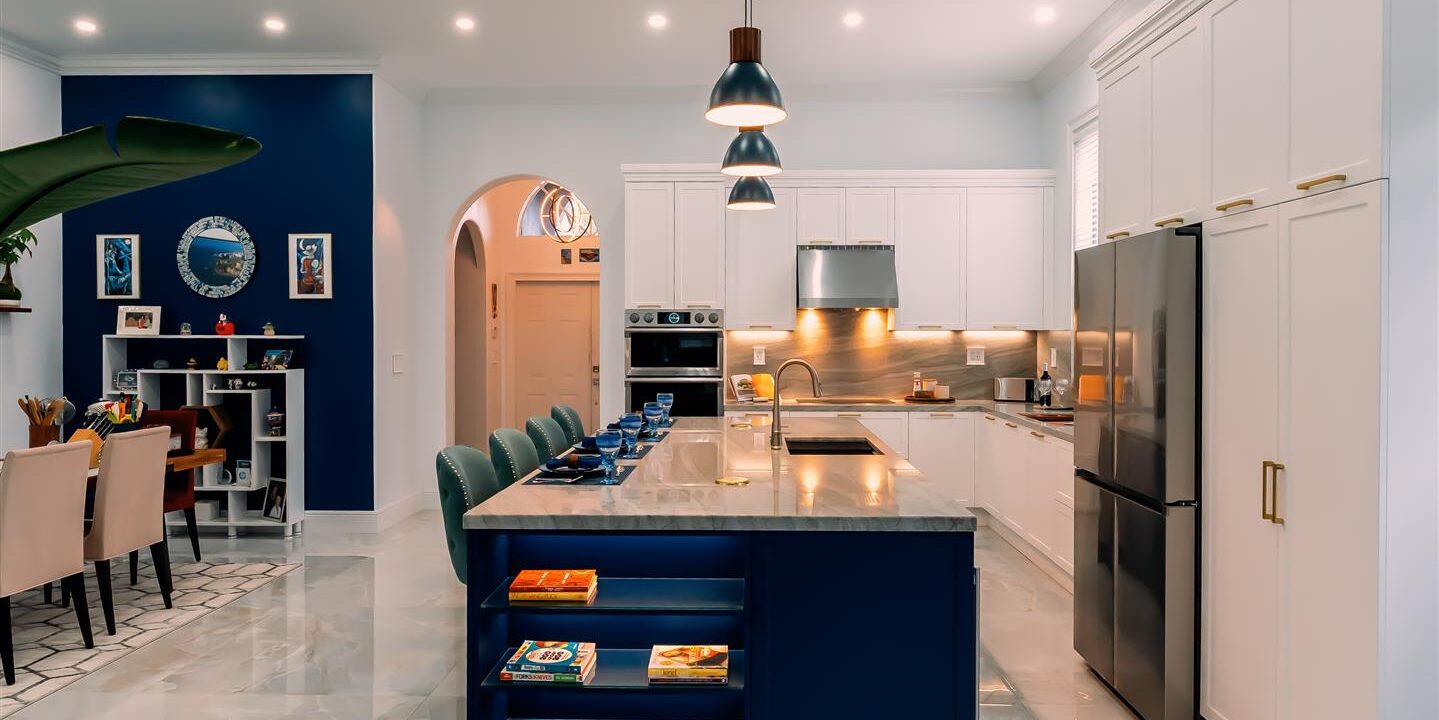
x=49 y=653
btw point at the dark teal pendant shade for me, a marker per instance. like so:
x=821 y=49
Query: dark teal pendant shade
x=751 y=193
x=751 y=154
x=745 y=95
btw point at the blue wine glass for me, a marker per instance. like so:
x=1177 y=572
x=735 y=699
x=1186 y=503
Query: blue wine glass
x=653 y=414
x=630 y=424
x=608 y=442
x=666 y=401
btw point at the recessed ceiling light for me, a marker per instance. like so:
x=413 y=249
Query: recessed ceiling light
x=853 y=19
x=86 y=26
x=274 y=24
x=465 y=23
x=658 y=21
x=1044 y=14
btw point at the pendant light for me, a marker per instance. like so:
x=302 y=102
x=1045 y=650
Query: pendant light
x=745 y=95
x=751 y=193
x=751 y=154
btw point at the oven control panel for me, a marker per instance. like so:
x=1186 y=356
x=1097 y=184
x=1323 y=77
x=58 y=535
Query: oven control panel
x=692 y=318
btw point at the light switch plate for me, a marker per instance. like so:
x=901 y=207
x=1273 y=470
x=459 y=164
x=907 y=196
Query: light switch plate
x=975 y=356
x=759 y=354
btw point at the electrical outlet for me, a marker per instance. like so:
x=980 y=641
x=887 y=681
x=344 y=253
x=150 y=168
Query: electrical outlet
x=759 y=355
x=975 y=356
x=1053 y=358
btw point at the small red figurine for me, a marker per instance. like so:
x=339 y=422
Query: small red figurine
x=224 y=327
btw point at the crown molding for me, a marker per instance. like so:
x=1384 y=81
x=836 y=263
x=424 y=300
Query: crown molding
x=1149 y=25
x=12 y=48
x=217 y=64
x=1075 y=55
x=710 y=172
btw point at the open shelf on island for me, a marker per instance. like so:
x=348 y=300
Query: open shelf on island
x=675 y=596
x=621 y=670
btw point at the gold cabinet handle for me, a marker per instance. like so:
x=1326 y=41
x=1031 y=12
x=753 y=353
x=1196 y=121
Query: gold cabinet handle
x=1275 y=469
x=1221 y=207
x=1039 y=435
x=1309 y=184
x=820 y=242
x=869 y=242
x=1004 y=326
x=1169 y=221
x=647 y=306
x=930 y=327
x=1264 y=490
x=1010 y=425
x=847 y=414
x=700 y=306
x=941 y=414
x=986 y=417
x=1117 y=235
x=761 y=326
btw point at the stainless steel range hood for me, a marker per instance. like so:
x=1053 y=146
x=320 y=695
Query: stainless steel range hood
x=847 y=276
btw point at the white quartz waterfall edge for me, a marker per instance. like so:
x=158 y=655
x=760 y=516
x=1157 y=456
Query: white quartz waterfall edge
x=49 y=653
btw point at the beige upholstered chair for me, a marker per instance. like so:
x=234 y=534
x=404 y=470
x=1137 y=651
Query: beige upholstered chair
x=42 y=524
x=129 y=504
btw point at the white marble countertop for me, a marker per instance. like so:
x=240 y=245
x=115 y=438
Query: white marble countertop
x=1007 y=410
x=673 y=488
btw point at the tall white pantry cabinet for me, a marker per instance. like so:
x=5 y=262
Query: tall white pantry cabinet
x=1266 y=121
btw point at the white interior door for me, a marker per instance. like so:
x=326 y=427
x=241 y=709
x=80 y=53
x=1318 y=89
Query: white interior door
x=551 y=348
x=1240 y=585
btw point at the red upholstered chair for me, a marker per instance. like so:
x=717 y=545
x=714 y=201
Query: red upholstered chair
x=179 y=486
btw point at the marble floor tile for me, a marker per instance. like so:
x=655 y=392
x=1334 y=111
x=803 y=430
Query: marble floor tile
x=372 y=626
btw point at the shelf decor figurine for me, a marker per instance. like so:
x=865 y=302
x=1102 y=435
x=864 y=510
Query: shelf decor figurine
x=224 y=326
x=185 y=329
x=192 y=363
x=222 y=364
x=276 y=421
x=268 y=328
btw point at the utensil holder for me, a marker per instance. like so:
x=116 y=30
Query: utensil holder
x=42 y=435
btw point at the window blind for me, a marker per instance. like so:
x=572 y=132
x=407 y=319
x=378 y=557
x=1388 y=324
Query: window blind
x=1085 y=165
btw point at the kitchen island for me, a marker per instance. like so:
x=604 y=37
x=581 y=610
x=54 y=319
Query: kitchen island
x=844 y=585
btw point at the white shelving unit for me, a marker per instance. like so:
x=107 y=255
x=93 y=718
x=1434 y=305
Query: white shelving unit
x=208 y=387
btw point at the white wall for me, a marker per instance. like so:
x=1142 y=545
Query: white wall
x=403 y=459
x=582 y=144
x=30 y=344
x=1065 y=103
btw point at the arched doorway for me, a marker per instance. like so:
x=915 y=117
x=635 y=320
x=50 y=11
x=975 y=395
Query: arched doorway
x=522 y=309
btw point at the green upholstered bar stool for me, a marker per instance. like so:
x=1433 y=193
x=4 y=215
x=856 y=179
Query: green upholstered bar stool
x=513 y=454
x=547 y=435
x=467 y=478
x=569 y=420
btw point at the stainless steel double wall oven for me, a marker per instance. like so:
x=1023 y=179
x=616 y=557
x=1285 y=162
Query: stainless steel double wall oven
x=675 y=351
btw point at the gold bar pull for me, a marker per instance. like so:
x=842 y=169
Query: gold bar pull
x=821 y=242
x=869 y=242
x=1039 y=435
x=1117 y=235
x=1309 y=184
x=1264 y=491
x=941 y=414
x=847 y=414
x=697 y=306
x=929 y=327
x=1234 y=204
x=1010 y=425
x=1169 y=221
x=986 y=417
x=1004 y=326
x=761 y=326
x=1274 y=473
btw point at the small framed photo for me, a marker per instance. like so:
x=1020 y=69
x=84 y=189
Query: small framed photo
x=589 y=255
x=127 y=381
x=117 y=267
x=275 y=500
x=137 y=320
x=311 y=274
x=277 y=359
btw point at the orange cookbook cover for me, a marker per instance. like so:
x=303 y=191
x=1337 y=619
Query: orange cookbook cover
x=530 y=581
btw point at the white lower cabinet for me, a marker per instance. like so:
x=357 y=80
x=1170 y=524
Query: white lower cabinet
x=941 y=445
x=1024 y=479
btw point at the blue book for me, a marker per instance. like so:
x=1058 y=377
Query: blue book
x=540 y=656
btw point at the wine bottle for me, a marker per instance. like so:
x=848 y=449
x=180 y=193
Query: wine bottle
x=1045 y=387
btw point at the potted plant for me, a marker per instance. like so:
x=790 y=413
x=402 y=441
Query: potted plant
x=12 y=247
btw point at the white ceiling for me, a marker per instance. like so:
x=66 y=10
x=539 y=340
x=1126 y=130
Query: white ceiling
x=558 y=44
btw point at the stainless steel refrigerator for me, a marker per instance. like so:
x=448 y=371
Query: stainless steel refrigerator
x=1136 y=487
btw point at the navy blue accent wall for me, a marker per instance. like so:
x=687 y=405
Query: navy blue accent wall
x=315 y=174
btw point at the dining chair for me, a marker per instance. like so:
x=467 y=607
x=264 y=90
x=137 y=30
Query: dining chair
x=129 y=496
x=513 y=454
x=547 y=435
x=467 y=478
x=179 y=486
x=42 y=526
x=569 y=419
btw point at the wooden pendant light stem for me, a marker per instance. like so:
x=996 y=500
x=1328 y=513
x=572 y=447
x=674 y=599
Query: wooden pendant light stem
x=744 y=44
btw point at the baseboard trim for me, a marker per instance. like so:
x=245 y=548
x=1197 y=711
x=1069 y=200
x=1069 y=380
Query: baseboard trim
x=369 y=522
x=389 y=515
x=1050 y=568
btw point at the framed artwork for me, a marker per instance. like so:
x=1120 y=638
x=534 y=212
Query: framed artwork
x=137 y=320
x=117 y=267
x=311 y=272
x=589 y=255
x=216 y=257
x=275 y=500
x=276 y=360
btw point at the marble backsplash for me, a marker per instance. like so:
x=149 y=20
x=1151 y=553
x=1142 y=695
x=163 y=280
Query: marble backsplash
x=856 y=354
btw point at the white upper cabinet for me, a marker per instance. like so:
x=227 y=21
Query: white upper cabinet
x=821 y=216
x=1178 y=158
x=699 y=266
x=649 y=245
x=1005 y=262
x=929 y=232
x=1248 y=43
x=1336 y=85
x=869 y=216
x=1124 y=150
x=760 y=266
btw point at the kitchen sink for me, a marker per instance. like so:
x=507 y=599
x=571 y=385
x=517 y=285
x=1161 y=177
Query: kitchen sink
x=845 y=400
x=830 y=446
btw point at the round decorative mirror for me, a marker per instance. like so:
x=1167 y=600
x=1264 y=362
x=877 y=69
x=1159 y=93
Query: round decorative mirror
x=216 y=257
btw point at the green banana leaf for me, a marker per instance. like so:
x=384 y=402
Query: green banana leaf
x=46 y=178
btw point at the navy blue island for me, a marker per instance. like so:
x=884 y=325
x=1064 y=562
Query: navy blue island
x=844 y=585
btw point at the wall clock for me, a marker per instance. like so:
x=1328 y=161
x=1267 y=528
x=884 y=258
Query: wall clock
x=216 y=257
